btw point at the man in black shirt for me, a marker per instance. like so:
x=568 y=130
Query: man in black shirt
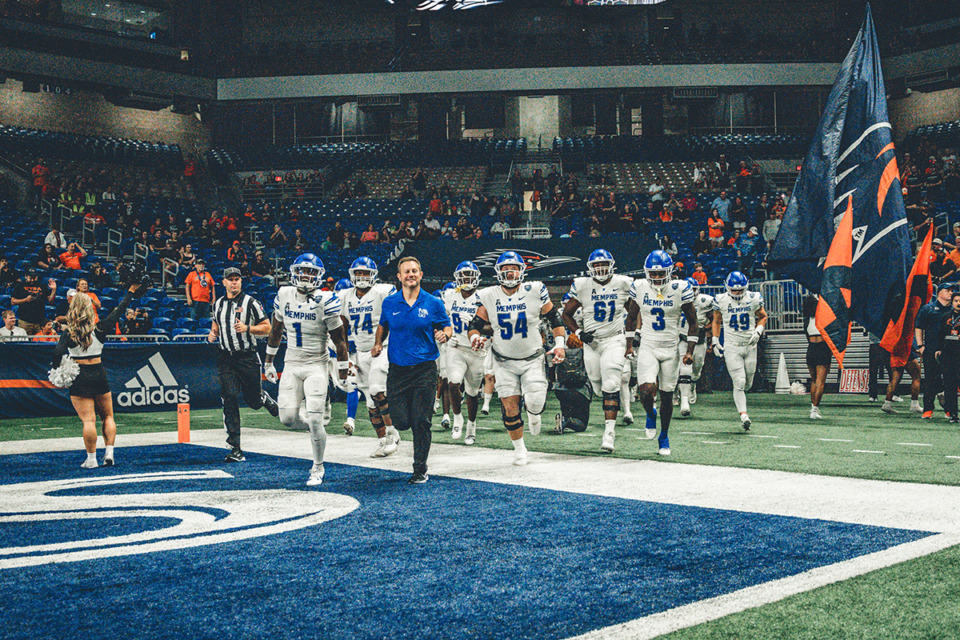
x=927 y=335
x=949 y=356
x=8 y=275
x=32 y=296
x=941 y=267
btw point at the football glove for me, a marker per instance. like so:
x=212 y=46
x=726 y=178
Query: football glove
x=717 y=347
x=270 y=372
x=755 y=336
x=586 y=337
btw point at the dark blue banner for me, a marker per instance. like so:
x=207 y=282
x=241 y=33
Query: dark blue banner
x=851 y=163
x=547 y=260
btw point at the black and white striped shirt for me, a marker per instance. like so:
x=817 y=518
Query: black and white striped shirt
x=227 y=311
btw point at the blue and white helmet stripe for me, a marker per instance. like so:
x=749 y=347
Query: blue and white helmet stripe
x=306 y=272
x=343 y=283
x=693 y=283
x=363 y=272
x=510 y=278
x=737 y=284
x=600 y=264
x=467 y=275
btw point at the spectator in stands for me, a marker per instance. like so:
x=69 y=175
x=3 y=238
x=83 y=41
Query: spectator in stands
x=914 y=184
x=942 y=268
x=10 y=331
x=261 y=267
x=933 y=180
x=278 y=238
x=667 y=244
x=338 y=233
x=70 y=259
x=700 y=176
x=200 y=291
x=99 y=278
x=351 y=240
x=746 y=248
x=953 y=239
x=109 y=195
x=673 y=205
x=419 y=183
x=97 y=221
x=136 y=322
x=702 y=244
x=431 y=228
x=299 y=242
x=404 y=232
x=370 y=235
x=407 y=193
x=388 y=231
x=47 y=258
x=592 y=226
x=699 y=274
x=55 y=238
x=734 y=238
x=721 y=205
x=499 y=227
x=722 y=169
x=236 y=252
x=715 y=229
x=30 y=296
x=83 y=287
x=743 y=178
x=688 y=202
x=41 y=176
x=771 y=227
x=517 y=184
x=169 y=252
x=157 y=241
x=738 y=214
x=8 y=275
x=657 y=192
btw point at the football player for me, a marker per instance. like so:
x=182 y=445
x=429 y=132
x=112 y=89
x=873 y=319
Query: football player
x=464 y=365
x=361 y=313
x=659 y=303
x=513 y=309
x=353 y=398
x=309 y=317
x=740 y=315
x=690 y=373
x=442 y=400
x=603 y=298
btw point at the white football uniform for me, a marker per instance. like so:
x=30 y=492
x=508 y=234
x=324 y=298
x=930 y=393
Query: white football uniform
x=307 y=321
x=703 y=304
x=604 y=308
x=517 y=345
x=738 y=322
x=660 y=313
x=363 y=318
x=463 y=363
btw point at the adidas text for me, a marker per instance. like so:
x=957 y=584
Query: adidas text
x=146 y=397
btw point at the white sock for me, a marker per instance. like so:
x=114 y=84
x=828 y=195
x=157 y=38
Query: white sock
x=92 y=457
x=446 y=417
x=471 y=425
x=458 y=419
x=487 y=397
x=351 y=421
x=609 y=426
x=519 y=445
x=684 y=393
x=740 y=399
x=108 y=452
x=391 y=431
x=813 y=406
x=625 y=398
x=318 y=437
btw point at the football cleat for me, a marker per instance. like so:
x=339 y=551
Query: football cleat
x=897 y=399
x=457 y=426
x=471 y=436
x=745 y=421
x=380 y=450
x=485 y=411
x=235 y=455
x=108 y=462
x=664 y=444
x=628 y=418
x=445 y=423
x=393 y=441
x=269 y=404
x=815 y=413
x=89 y=464
x=915 y=407
x=348 y=427
x=418 y=478
x=316 y=476
x=684 y=410
x=927 y=415
x=607 y=443
x=520 y=458
x=887 y=407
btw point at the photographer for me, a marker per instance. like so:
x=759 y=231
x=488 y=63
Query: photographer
x=31 y=297
x=136 y=322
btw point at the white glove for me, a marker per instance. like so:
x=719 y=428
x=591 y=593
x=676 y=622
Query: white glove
x=477 y=342
x=755 y=336
x=717 y=347
x=270 y=372
x=350 y=384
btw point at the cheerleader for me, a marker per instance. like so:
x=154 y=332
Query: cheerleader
x=82 y=339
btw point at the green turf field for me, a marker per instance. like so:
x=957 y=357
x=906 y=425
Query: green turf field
x=915 y=599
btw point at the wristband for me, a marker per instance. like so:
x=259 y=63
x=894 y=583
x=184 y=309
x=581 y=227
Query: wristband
x=694 y=339
x=560 y=342
x=343 y=365
x=272 y=351
x=629 y=334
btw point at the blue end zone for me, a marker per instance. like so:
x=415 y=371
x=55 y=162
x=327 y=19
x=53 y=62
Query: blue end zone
x=449 y=559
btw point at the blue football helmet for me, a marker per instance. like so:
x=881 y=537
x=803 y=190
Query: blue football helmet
x=600 y=265
x=343 y=283
x=737 y=284
x=566 y=297
x=467 y=275
x=695 y=285
x=510 y=278
x=437 y=293
x=306 y=273
x=658 y=267
x=363 y=272
x=449 y=286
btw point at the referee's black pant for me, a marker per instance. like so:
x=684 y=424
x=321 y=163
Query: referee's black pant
x=932 y=379
x=239 y=372
x=410 y=392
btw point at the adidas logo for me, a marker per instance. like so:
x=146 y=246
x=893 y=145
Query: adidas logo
x=154 y=384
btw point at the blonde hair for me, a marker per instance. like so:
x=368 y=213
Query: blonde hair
x=407 y=259
x=81 y=320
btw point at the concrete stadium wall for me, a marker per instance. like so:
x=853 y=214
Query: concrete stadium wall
x=920 y=109
x=92 y=114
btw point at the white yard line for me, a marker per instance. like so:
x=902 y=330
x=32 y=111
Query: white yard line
x=866 y=451
x=786 y=446
x=833 y=440
x=914 y=444
x=713 y=442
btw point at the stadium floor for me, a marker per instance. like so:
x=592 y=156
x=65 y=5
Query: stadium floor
x=569 y=546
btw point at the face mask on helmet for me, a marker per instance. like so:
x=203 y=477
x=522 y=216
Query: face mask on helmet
x=467 y=279
x=306 y=277
x=600 y=269
x=736 y=294
x=363 y=278
x=510 y=275
x=658 y=278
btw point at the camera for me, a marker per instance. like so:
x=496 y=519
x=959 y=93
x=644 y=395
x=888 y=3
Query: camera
x=131 y=274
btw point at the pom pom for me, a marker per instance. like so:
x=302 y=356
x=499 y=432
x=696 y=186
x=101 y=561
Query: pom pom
x=797 y=389
x=64 y=375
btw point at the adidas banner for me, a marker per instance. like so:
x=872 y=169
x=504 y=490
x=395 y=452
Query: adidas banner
x=549 y=260
x=143 y=377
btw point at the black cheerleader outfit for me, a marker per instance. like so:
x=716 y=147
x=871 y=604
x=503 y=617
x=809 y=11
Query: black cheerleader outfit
x=92 y=380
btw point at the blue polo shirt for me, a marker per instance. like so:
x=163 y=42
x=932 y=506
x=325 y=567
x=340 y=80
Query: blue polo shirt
x=411 y=327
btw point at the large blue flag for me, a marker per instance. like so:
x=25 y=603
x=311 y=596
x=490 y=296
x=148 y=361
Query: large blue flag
x=851 y=168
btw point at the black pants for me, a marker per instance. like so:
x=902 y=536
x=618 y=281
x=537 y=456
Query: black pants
x=932 y=379
x=411 y=392
x=239 y=373
x=950 y=366
x=879 y=361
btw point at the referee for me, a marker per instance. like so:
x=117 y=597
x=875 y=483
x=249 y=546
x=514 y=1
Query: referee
x=237 y=319
x=418 y=321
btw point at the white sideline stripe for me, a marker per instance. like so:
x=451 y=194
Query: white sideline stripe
x=786 y=446
x=754 y=435
x=914 y=444
x=833 y=440
x=867 y=451
x=695 y=433
x=954 y=457
x=713 y=442
x=708 y=610
x=586 y=435
x=50 y=428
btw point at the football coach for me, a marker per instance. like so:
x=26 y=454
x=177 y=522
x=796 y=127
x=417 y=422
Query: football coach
x=416 y=322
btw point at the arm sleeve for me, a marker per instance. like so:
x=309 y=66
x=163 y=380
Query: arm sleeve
x=119 y=310
x=61 y=349
x=332 y=309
